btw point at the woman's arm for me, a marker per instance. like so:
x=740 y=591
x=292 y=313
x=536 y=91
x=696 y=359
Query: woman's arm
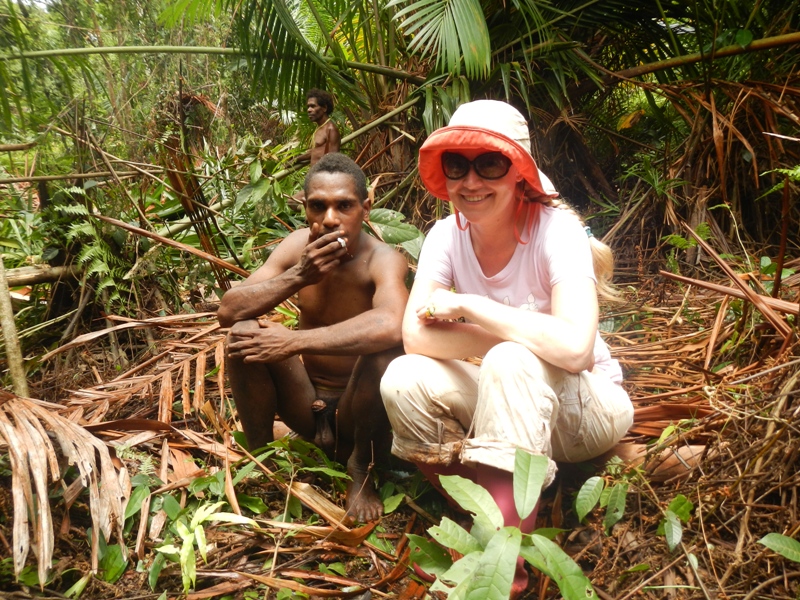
x=565 y=338
x=437 y=338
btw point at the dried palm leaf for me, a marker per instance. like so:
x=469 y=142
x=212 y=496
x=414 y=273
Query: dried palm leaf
x=26 y=425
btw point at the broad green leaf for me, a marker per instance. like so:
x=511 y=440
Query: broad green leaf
x=744 y=37
x=113 y=564
x=414 y=247
x=430 y=557
x=459 y=575
x=557 y=564
x=392 y=502
x=682 y=507
x=183 y=531
x=139 y=493
x=589 y=496
x=252 y=503
x=530 y=471
x=451 y=535
x=495 y=572
x=638 y=568
x=391 y=227
x=672 y=529
x=168 y=549
x=171 y=507
x=475 y=499
x=616 y=504
x=783 y=545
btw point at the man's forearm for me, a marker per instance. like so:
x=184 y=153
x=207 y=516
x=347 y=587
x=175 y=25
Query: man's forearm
x=248 y=301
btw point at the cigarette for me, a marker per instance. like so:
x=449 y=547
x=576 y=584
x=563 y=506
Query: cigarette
x=342 y=243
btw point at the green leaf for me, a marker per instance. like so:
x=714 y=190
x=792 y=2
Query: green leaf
x=530 y=471
x=430 y=557
x=682 y=507
x=459 y=575
x=451 y=535
x=557 y=564
x=783 y=545
x=471 y=497
x=616 y=504
x=188 y=563
x=139 y=493
x=77 y=588
x=389 y=224
x=252 y=503
x=589 y=496
x=226 y=517
x=200 y=539
x=392 y=502
x=171 y=507
x=155 y=569
x=495 y=572
x=334 y=568
x=672 y=529
x=744 y=37
x=113 y=564
x=549 y=532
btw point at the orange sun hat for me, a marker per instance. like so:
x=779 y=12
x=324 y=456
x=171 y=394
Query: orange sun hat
x=488 y=125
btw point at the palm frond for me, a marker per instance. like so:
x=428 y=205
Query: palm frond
x=454 y=31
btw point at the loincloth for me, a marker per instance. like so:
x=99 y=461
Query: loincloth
x=324 y=409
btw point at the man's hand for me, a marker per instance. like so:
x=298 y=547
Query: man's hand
x=322 y=254
x=271 y=343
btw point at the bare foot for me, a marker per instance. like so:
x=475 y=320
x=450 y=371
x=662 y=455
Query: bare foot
x=362 y=501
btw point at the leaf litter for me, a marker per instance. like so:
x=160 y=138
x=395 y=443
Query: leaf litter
x=713 y=373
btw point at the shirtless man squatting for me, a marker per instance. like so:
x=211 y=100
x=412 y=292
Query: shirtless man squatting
x=351 y=295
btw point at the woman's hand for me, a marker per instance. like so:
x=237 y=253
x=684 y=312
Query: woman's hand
x=441 y=304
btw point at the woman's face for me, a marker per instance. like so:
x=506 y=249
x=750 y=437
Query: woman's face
x=483 y=200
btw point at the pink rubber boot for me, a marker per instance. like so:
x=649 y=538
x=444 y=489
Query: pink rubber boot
x=500 y=484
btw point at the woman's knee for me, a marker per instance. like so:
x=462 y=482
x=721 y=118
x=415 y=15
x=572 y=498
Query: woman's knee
x=512 y=357
x=400 y=377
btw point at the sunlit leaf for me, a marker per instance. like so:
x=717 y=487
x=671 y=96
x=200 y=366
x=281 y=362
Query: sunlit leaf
x=589 y=496
x=783 y=545
x=530 y=471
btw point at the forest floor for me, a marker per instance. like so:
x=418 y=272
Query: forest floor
x=709 y=374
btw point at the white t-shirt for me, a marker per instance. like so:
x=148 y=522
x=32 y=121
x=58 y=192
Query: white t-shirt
x=558 y=250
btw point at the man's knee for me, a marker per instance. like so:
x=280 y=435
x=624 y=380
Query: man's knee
x=239 y=328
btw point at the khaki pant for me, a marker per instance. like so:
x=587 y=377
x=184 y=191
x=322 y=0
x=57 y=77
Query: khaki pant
x=445 y=410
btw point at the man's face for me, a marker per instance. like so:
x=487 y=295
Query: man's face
x=316 y=111
x=333 y=204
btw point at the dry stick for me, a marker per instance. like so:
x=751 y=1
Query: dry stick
x=776 y=286
x=13 y=351
x=769 y=582
x=723 y=307
x=159 y=238
x=657 y=574
x=71 y=176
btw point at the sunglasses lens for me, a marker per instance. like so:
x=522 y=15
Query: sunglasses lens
x=454 y=165
x=492 y=165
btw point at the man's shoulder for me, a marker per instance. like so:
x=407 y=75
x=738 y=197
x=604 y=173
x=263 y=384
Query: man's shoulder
x=382 y=255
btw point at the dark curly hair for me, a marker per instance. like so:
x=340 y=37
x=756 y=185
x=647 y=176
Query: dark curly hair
x=335 y=162
x=323 y=98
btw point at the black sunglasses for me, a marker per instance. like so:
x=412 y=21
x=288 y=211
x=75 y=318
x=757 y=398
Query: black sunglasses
x=490 y=165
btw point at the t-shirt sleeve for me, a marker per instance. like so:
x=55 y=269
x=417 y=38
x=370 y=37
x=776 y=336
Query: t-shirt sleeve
x=435 y=258
x=567 y=249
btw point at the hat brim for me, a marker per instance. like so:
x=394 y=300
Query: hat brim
x=465 y=138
